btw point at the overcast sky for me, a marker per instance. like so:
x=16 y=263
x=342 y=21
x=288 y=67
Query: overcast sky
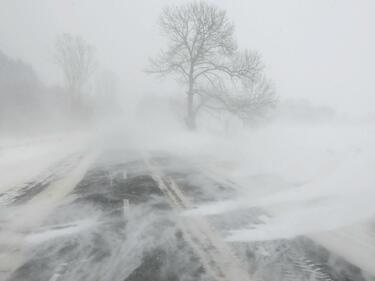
x=322 y=50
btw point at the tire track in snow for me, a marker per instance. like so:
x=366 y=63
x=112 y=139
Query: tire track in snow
x=215 y=255
x=30 y=215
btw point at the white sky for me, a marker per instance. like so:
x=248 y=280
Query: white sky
x=322 y=50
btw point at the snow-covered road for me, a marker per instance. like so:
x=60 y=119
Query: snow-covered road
x=70 y=218
x=36 y=175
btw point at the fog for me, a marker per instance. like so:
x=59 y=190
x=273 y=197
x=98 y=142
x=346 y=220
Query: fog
x=296 y=164
x=320 y=50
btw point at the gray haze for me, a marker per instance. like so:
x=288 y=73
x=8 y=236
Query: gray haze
x=319 y=50
x=104 y=177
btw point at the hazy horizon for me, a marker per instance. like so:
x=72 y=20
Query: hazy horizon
x=321 y=51
x=222 y=170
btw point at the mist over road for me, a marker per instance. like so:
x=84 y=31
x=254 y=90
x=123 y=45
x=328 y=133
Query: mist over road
x=188 y=140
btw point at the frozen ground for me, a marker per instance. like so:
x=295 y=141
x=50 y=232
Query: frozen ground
x=22 y=160
x=36 y=174
x=294 y=202
x=316 y=181
x=91 y=234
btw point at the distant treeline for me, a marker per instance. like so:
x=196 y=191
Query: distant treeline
x=26 y=104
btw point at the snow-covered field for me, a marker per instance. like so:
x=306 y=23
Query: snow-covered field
x=316 y=181
x=22 y=160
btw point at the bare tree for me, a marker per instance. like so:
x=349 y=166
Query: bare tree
x=76 y=59
x=203 y=55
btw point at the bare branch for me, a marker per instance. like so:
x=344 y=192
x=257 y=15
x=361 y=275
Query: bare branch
x=76 y=59
x=203 y=54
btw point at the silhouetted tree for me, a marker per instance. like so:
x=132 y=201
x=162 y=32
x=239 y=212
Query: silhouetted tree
x=76 y=59
x=203 y=55
x=26 y=104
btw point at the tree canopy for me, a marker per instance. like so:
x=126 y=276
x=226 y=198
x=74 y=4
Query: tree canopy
x=203 y=54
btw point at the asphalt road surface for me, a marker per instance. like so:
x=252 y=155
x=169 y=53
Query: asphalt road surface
x=123 y=221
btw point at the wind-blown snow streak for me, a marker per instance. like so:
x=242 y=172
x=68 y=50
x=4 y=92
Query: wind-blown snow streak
x=20 y=221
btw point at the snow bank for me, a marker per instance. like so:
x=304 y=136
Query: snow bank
x=22 y=160
x=310 y=178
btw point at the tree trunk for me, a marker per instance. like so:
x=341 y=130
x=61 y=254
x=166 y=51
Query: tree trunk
x=190 y=118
